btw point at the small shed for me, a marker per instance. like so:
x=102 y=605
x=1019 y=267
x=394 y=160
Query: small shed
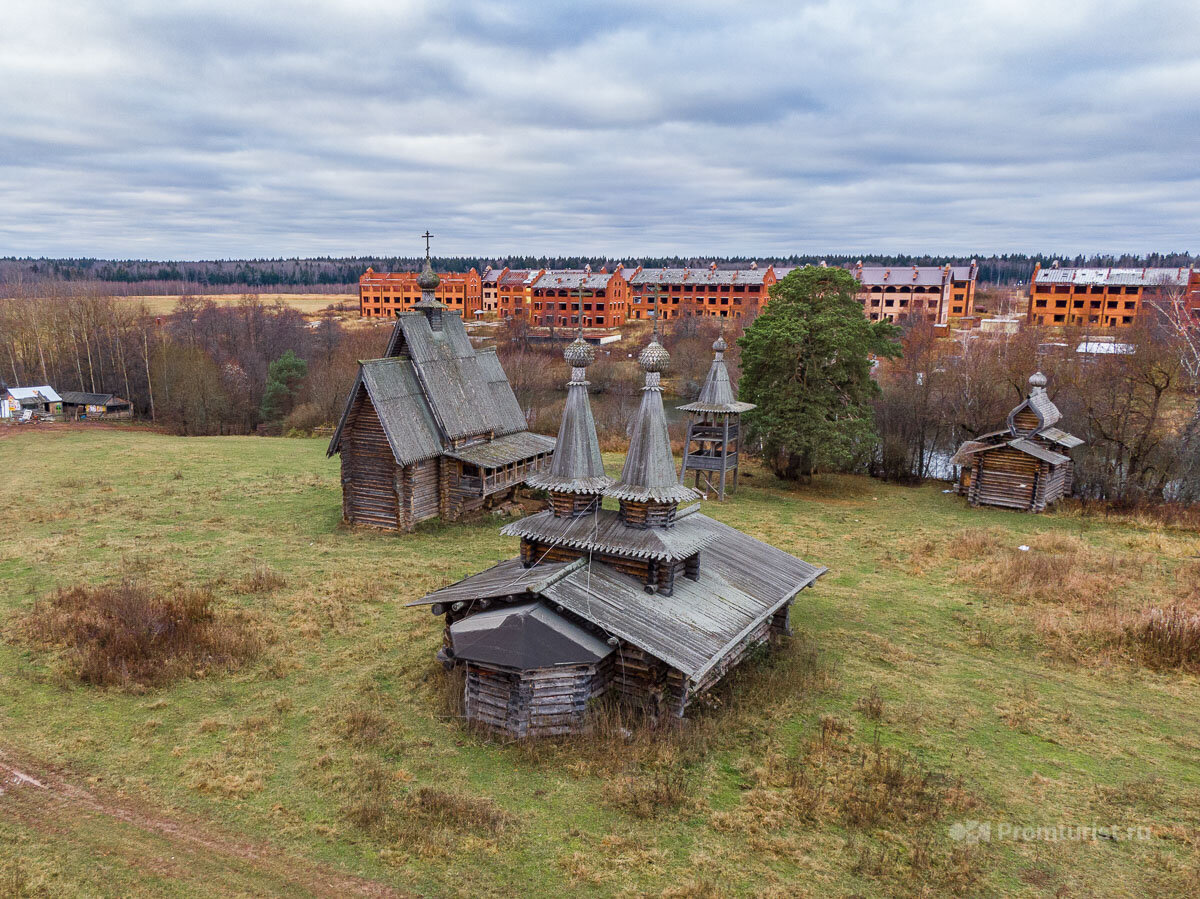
x=81 y=406
x=1026 y=465
x=24 y=403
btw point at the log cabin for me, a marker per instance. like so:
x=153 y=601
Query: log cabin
x=644 y=604
x=432 y=429
x=82 y=406
x=1026 y=465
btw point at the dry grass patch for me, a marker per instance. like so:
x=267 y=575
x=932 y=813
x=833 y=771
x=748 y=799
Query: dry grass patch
x=263 y=579
x=888 y=800
x=1166 y=639
x=836 y=776
x=128 y=636
x=1056 y=568
x=427 y=820
x=652 y=793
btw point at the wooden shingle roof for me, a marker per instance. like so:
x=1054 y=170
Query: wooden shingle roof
x=434 y=388
x=742 y=582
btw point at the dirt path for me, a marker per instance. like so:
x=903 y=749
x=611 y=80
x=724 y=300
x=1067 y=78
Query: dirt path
x=159 y=845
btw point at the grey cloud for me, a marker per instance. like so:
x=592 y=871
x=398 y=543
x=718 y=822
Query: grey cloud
x=631 y=128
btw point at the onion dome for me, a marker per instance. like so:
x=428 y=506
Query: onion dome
x=719 y=345
x=654 y=358
x=1037 y=379
x=428 y=279
x=579 y=353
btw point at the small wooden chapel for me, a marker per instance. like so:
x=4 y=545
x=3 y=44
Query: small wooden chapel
x=1024 y=466
x=432 y=429
x=647 y=604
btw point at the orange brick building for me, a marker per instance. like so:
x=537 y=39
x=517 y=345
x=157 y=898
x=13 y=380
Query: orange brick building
x=1105 y=297
x=514 y=291
x=490 y=286
x=604 y=296
x=384 y=294
x=898 y=293
x=713 y=292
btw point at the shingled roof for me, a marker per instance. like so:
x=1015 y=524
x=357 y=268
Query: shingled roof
x=717 y=393
x=649 y=474
x=604 y=531
x=1042 y=442
x=434 y=388
x=741 y=583
x=1039 y=403
x=576 y=466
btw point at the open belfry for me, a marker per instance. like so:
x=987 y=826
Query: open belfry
x=1024 y=466
x=714 y=429
x=646 y=604
x=433 y=429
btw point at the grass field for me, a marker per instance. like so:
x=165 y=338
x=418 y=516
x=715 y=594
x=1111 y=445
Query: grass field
x=307 y=303
x=928 y=685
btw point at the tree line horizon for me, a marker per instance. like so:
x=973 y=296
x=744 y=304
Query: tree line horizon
x=341 y=273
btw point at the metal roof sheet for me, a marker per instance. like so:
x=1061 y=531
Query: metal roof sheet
x=45 y=391
x=900 y=275
x=1105 y=348
x=504 y=450
x=519 y=276
x=1134 y=277
x=699 y=276
x=81 y=398
x=525 y=636
x=560 y=279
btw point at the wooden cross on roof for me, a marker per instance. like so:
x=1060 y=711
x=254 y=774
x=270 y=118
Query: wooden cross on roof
x=427 y=235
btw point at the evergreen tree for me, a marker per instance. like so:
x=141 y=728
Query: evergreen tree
x=284 y=376
x=806 y=363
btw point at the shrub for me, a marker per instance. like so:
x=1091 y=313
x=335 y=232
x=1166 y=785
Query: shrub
x=263 y=579
x=1166 y=638
x=421 y=818
x=649 y=795
x=126 y=635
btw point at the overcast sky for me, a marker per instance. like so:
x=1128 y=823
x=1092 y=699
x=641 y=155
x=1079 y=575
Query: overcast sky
x=215 y=129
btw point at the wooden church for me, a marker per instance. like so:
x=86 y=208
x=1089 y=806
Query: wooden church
x=433 y=429
x=647 y=603
x=710 y=450
x=1024 y=466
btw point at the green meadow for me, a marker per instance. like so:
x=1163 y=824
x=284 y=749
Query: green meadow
x=939 y=675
